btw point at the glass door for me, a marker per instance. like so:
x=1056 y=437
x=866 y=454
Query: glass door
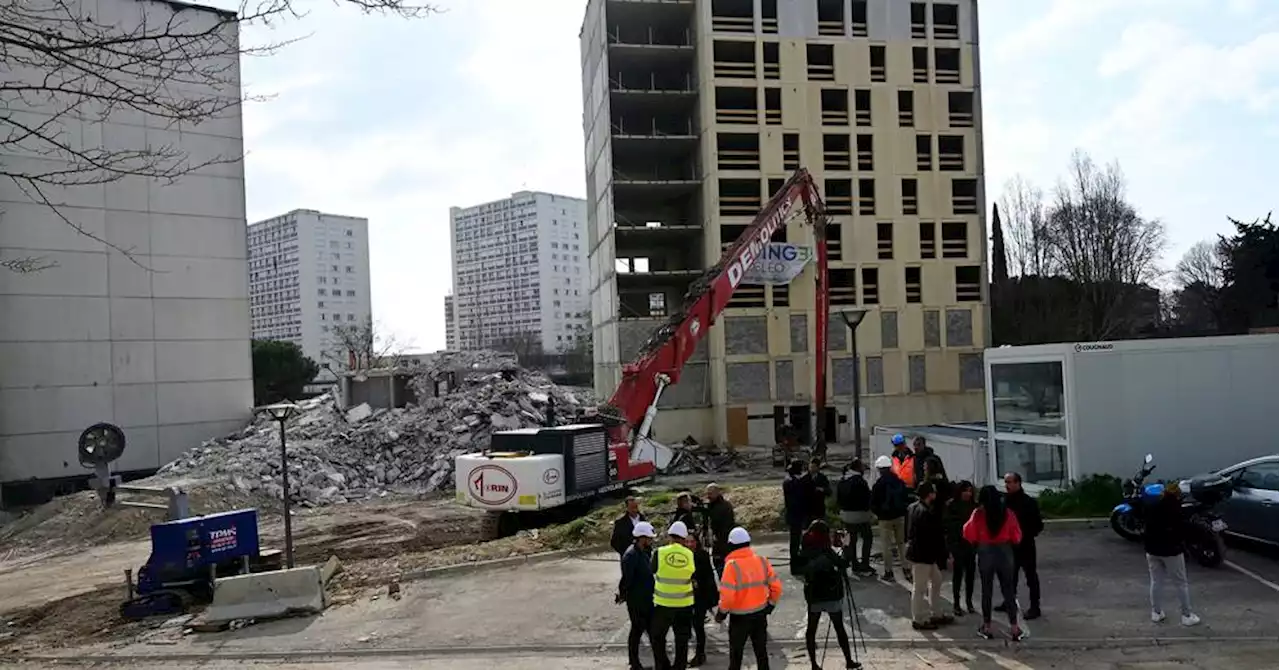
x=1027 y=419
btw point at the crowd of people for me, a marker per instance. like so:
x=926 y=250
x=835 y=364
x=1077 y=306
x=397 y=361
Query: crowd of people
x=927 y=523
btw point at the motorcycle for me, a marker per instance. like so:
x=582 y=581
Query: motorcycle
x=1199 y=497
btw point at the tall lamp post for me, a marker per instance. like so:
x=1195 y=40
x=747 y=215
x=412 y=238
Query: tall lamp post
x=852 y=319
x=280 y=413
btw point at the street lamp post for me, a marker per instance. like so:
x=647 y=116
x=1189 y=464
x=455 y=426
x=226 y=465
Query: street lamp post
x=852 y=319
x=280 y=413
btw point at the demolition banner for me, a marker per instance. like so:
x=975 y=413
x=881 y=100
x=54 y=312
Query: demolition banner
x=779 y=263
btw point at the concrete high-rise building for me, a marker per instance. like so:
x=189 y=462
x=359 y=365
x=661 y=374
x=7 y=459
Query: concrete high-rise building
x=142 y=322
x=450 y=328
x=697 y=111
x=520 y=272
x=309 y=273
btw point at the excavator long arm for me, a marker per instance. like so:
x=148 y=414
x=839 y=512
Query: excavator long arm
x=661 y=360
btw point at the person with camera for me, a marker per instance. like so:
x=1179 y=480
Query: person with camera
x=635 y=588
x=749 y=592
x=824 y=590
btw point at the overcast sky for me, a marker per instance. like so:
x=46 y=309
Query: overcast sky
x=398 y=120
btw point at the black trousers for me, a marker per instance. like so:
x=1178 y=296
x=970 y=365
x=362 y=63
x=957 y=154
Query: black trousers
x=811 y=635
x=1024 y=562
x=743 y=627
x=966 y=564
x=665 y=619
x=797 y=532
x=699 y=631
x=641 y=617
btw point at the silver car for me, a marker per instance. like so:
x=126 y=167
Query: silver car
x=1251 y=511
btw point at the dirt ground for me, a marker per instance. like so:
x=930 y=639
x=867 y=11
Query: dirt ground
x=62 y=567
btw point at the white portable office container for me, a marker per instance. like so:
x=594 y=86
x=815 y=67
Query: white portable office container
x=1060 y=412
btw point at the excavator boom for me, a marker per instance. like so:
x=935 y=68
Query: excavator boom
x=662 y=358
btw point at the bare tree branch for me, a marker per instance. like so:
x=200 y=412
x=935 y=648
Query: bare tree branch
x=162 y=65
x=1026 y=236
x=1200 y=265
x=360 y=346
x=1098 y=240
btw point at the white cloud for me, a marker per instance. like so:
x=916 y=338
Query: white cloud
x=1174 y=74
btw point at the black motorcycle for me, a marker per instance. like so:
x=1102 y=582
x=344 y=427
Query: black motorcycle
x=1199 y=497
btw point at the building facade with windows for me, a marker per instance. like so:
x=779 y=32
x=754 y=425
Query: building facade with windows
x=450 y=331
x=519 y=273
x=142 y=321
x=308 y=273
x=697 y=111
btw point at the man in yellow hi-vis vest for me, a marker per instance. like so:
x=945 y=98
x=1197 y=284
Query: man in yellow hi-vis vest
x=673 y=569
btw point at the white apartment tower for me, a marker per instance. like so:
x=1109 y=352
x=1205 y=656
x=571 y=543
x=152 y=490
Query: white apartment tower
x=697 y=111
x=519 y=270
x=309 y=272
x=450 y=329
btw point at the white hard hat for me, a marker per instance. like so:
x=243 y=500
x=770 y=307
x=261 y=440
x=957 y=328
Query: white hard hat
x=884 y=462
x=643 y=529
x=678 y=529
x=739 y=535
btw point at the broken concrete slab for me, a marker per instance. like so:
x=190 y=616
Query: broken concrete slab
x=337 y=456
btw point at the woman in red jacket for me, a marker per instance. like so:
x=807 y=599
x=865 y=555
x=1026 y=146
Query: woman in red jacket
x=993 y=531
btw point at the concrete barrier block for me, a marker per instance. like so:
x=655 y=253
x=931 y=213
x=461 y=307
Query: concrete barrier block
x=265 y=595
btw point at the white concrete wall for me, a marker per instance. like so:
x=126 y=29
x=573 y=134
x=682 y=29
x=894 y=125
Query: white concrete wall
x=160 y=350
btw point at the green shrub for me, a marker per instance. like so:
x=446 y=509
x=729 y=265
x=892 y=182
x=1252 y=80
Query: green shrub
x=1093 y=496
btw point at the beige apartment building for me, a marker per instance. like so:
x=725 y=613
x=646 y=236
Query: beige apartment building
x=696 y=111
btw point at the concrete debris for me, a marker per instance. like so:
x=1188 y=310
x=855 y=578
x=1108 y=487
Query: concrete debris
x=337 y=457
x=691 y=457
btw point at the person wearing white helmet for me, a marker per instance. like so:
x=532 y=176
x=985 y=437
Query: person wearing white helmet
x=889 y=503
x=673 y=597
x=635 y=588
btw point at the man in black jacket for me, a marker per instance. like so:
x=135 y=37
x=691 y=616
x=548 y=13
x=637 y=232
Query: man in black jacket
x=706 y=595
x=923 y=452
x=795 y=503
x=635 y=588
x=853 y=495
x=1163 y=537
x=620 y=539
x=1025 y=508
x=889 y=504
x=926 y=550
x=819 y=491
x=721 y=519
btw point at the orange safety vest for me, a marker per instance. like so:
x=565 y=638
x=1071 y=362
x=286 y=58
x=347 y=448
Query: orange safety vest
x=905 y=469
x=748 y=584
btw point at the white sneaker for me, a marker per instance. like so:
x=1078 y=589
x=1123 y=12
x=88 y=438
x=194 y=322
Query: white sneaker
x=1190 y=619
x=1157 y=617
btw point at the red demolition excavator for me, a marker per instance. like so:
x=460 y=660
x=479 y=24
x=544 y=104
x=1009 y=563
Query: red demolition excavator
x=534 y=470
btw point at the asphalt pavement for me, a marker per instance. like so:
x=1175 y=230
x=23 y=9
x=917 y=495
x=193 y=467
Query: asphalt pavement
x=1095 y=597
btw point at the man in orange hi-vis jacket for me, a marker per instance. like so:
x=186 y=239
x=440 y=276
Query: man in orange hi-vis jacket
x=749 y=590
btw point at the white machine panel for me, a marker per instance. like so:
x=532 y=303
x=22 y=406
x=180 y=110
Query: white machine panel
x=499 y=482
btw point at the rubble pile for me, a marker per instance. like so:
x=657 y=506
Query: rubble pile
x=337 y=456
x=689 y=457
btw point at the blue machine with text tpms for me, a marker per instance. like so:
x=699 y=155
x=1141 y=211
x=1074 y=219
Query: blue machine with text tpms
x=187 y=555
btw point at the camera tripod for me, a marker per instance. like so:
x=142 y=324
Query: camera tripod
x=849 y=607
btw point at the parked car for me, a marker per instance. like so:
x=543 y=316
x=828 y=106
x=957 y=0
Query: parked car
x=1251 y=511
